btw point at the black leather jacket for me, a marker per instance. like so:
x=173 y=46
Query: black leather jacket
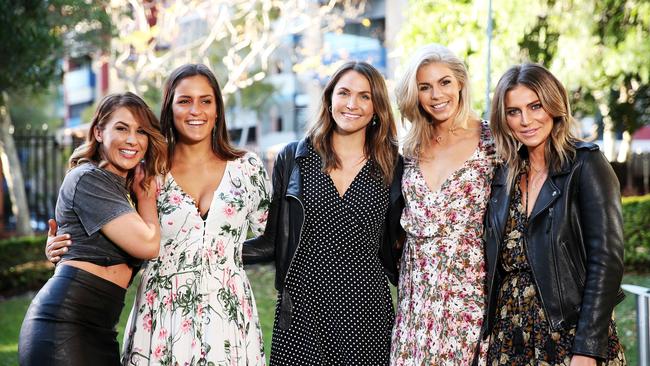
x=574 y=244
x=286 y=217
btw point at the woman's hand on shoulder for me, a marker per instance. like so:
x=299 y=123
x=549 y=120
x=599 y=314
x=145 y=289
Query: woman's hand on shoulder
x=578 y=360
x=141 y=193
x=57 y=245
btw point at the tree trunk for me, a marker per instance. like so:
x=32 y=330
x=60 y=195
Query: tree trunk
x=12 y=171
x=609 y=136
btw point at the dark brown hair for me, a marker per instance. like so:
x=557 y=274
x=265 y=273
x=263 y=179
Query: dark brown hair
x=221 y=145
x=381 y=138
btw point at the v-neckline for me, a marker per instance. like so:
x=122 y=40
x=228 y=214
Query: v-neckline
x=336 y=190
x=445 y=182
x=451 y=175
x=195 y=204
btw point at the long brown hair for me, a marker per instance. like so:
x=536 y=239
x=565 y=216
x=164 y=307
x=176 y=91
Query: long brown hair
x=381 y=138
x=406 y=92
x=221 y=144
x=559 y=147
x=155 y=158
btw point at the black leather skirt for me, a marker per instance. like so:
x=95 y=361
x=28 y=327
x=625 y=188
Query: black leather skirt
x=72 y=320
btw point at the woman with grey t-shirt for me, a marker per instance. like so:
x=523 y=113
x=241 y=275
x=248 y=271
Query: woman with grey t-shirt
x=72 y=319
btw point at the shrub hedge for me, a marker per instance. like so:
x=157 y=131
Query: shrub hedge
x=636 y=226
x=23 y=266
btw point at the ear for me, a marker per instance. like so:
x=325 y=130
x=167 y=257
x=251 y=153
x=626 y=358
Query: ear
x=98 y=134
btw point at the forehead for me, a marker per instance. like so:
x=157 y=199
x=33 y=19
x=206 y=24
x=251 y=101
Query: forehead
x=433 y=71
x=354 y=81
x=124 y=115
x=520 y=95
x=194 y=85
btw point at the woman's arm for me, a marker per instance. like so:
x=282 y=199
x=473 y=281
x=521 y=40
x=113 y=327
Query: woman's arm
x=262 y=248
x=601 y=227
x=137 y=233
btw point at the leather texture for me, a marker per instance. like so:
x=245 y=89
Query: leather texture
x=574 y=244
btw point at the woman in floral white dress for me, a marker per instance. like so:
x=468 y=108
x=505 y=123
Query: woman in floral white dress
x=194 y=305
x=449 y=160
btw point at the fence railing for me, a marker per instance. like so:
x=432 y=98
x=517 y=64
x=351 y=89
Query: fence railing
x=642 y=321
x=43 y=164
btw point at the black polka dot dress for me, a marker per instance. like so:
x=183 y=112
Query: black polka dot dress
x=342 y=307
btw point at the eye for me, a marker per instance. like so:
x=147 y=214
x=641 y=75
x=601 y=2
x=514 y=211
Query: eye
x=536 y=106
x=445 y=82
x=121 y=128
x=512 y=112
x=342 y=92
x=366 y=97
x=423 y=87
x=182 y=101
x=141 y=131
x=206 y=101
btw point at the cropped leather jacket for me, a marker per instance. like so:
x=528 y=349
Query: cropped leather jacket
x=286 y=218
x=573 y=243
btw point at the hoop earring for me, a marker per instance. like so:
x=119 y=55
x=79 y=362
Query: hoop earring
x=375 y=119
x=329 y=109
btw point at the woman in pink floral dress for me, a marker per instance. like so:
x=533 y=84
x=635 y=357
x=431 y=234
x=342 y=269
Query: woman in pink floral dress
x=449 y=159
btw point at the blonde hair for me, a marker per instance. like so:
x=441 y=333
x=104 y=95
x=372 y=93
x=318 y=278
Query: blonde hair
x=155 y=157
x=381 y=138
x=560 y=147
x=409 y=104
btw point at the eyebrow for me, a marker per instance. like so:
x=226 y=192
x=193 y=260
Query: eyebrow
x=361 y=91
x=200 y=96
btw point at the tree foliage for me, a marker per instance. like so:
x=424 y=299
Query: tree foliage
x=598 y=48
x=36 y=34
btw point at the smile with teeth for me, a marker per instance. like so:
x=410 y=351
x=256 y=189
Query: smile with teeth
x=196 y=122
x=350 y=115
x=440 y=105
x=129 y=153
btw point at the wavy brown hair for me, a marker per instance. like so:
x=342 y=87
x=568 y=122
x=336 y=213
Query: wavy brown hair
x=381 y=138
x=221 y=145
x=155 y=158
x=559 y=147
x=406 y=92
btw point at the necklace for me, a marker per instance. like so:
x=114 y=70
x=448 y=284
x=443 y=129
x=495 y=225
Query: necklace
x=451 y=130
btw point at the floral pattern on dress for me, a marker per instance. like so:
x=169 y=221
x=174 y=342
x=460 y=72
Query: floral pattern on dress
x=194 y=305
x=521 y=333
x=441 y=296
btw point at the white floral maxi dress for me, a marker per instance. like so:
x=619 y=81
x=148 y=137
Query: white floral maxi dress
x=194 y=305
x=441 y=297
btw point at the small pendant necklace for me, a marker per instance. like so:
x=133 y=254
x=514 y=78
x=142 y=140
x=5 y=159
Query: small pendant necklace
x=451 y=130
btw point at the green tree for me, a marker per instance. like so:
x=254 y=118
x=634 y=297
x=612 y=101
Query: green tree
x=598 y=48
x=35 y=35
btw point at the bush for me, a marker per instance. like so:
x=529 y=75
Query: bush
x=636 y=226
x=23 y=265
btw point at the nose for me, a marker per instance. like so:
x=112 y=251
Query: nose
x=433 y=92
x=196 y=108
x=131 y=138
x=525 y=119
x=352 y=103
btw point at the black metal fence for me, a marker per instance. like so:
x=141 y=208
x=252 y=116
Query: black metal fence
x=43 y=162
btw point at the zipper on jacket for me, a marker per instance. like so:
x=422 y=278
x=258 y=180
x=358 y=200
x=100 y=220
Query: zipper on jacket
x=532 y=270
x=299 y=237
x=549 y=228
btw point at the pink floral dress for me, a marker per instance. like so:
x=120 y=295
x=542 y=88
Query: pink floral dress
x=441 y=296
x=194 y=305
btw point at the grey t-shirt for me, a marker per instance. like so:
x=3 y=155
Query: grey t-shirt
x=89 y=198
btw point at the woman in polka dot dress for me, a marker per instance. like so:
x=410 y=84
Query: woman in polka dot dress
x=334 y=198
x=449 y=162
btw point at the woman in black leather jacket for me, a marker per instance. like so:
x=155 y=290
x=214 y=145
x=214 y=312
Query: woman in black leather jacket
x=335 y=193
x=554 y=238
